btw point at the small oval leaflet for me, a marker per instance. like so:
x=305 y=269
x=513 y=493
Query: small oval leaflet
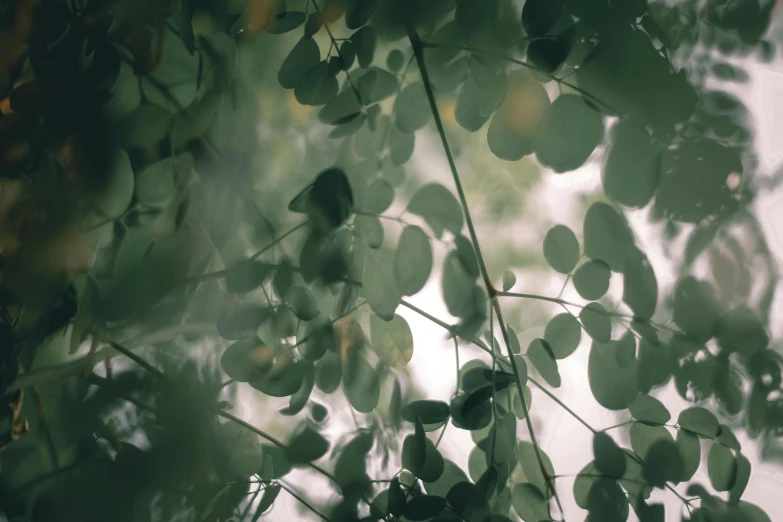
x=648 y=409
x=304 y=56
x=540 y=354
x=699 y=421
x=563 y=333
x=568 y=134
x=430 y=412
x=561 y=248
x=591 y=280
x=392 y=340
x=412 y=260
x=721 y=467
x=306 y=445
x=302 y=302
x=609 y=458
x=596 y=322
x=439 y=208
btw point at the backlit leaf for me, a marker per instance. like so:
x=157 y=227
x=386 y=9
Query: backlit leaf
x=412 y=260
x=561 y=249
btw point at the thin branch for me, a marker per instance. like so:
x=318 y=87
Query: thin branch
x=302 y=500
x=416 y=43
x=337 y=48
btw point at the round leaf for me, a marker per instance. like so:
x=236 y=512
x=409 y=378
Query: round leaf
x=563 y=333
x=561 y=249
x=302 y=302
x=607 y=236
x=596 y=322
x=540 y=355
x=650 y=410
x=439 y=208
x=362 y=386
x=663 y=463
x=306 y=445
x=699 y=421
x=411 y=108
x=721 y=467
x=631 y=169
x=613 y=385
x=568 y=133
x=591 y=280
x=412 y=260
x=392 y=340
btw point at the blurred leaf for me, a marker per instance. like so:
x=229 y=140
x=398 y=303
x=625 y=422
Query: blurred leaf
x=663 y=463
x=364 y=40
x=529 y=503
x=439 y=208
x=722 y=467
x=361 y=385
x=412 y=260
x=370 y=229
x=285 y=22
x=539 y=16
x=568 y=133
x=509 y=280
x=596 y=322
x=424 y=507
x=306 y=445
x=468 y=502
x=392 y=340
x=613 y=385
x=304 y=56
x=411 y=108
x=609 y=458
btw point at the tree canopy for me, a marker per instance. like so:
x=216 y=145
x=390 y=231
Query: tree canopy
x=211 y=209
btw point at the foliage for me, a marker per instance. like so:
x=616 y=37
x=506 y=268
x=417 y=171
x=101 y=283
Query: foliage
x=124 y=121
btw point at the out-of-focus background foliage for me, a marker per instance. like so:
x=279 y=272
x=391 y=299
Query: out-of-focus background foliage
x=160 y=219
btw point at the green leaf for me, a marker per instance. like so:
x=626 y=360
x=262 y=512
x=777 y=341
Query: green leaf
x=299 y=399
x=432 y=467
x=401 y=146
x=341 y=109
x=375 y=85
x=380 y=195
x=640 y=287
x=347 y=54
x=424 y=507
x=306 y=445
x=411 y=108
x=699 y=421
x=739 y=330
x=644 y=436
x=412 y=260
x=529 y=503
x=241 y=321
x=696 y=309
x=539 y=16
x=243 y=360
x=609 y=458
x=741 y=479
x=156 y=184
x=726 y=436
x=561 y=249
x=548 y=54
x=397 y=498
x=267 y=499
x=650 y=410
x=477 y=416
x=591 y=280
x=663 y=463
x=596 y=322
x=284 y=381
x=304 y=56
x=364 y=40
x=392 y=340
x=285 y=22
x=606 y=501
x=302 y=302
x=511 y=131
x=568 y=133
x=378 y=283
x=468 y=502
x=395 y=60
x=563 y=333
x=690 y=450
x=540 y=355
x=607 y=236
x=361 y=385
x=358 y=13
x=246 y=275
x=370 y=229
x=328 y=372
x=526 y=453
x=430 y=412
x=439 y=208
x=509 y=280
x=452 y=474
x=145 y=126
x=631 y=170
x=457 y=286
x=721 y=467
x=613 y=385
x=468 y=110
x=317 y=86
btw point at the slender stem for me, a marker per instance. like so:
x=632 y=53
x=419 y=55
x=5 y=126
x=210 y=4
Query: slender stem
x=279 y=239
x=537 y=297
x=416 y=44
x=271 y=439
x=337 y=48
x=561 y=404
x=137 y=359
